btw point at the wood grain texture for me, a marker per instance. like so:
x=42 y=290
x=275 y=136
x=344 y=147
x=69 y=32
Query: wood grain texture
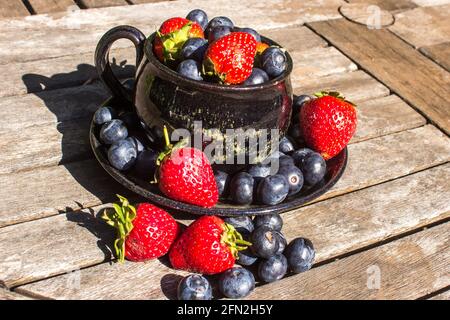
x=47 y=6
x=390 y=5
x=9 y=295
x=102 y=3
x=147 y=1
x=13 y=8
x=357 y=220
x=49 y=191
x=416 y=79
x=62 y=72
x=439 y=53
x=423 y=26
x=44 y=37
x=428 y=3
x=409 y=269
x=356 y=86
x=364 y=13
x=442 y=296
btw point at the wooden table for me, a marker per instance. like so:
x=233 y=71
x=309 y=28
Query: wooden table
x=382 y=232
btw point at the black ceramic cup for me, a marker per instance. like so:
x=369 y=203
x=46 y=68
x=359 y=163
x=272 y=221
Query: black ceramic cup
x=163 y=97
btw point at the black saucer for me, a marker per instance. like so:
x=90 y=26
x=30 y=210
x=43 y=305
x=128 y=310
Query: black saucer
x=335 y=169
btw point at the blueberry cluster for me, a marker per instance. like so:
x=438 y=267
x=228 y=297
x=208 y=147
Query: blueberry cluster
x=125 y=151
x=271 y=63
x=269 y=250
x=257 y=184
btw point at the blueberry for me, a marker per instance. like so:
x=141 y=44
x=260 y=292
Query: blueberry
x=294 y=177
x=122 y=154
x=145 y=165
x=236 y=283
x=218 y=32
x=198 y=16
x=246 y=258
x=253 y=32
x=222 y=181
x=314 y=168
x=194 y=287
x=259 y=170
x=194 y=48
x=264 y=242
x=272 y=221
x=130 y=119
x=137 y=143
x=273 y=269
x=299 y=101
x=257 y=76
x=300 y=255
x=190 y=69
x=273 y=189
x=286 y=145
x=274 y=61
x=283 y=242
x=243 y=224
x=241 y=188
x=300 y=155
x=113 y=131
x=218 y=21
x=294 y=131
x=286 y=161
x=104 y=114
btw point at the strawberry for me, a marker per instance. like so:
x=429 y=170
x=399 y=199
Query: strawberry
x=208 y=246
x=230 y=58
x=186 y=175
x=171 y=36
x=143 y=234
x=328 y=123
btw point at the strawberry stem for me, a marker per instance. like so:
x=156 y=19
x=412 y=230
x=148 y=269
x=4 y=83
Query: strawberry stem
x=121 y=219
x=234 y=240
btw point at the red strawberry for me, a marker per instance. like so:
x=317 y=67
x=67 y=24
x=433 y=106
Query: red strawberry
x=230 y=58
x=186 y=175
x=208 y=246
x=143 y=234
x=171 y=36
x=328 y=123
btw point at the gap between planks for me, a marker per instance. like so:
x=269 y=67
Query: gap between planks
x=358 y=220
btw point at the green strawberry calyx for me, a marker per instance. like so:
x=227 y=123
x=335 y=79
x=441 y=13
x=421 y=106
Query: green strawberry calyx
x=335 y=94
x=120 y=218
x=233 y=239
x=209 y=69
x=173 y=42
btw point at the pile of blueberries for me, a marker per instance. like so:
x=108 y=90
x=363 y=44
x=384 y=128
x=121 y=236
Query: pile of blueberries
x=297 y=167
x=125 y=151
x=271 y=64
x=269 y=251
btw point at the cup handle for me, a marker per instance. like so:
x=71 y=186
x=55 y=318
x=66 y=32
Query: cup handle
x=102 y=57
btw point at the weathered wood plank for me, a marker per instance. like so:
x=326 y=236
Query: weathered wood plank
x=409 y=74
x=356 y=86
x=382 y=116
x=442 y=296
x=356 y=220
x=408 y=268
x=319 y=62
x=47 y=6
x=428 y=3
x=390 y=5
x=49 y=191
x=13 y=8
x=44 y=37
x=83 y=184
x=102 y=3
x=364 y=14
x=61 y=72
x=9 y=295
x=68 y=141
x=432 y=29
x=439 y=53
x=147 y=1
